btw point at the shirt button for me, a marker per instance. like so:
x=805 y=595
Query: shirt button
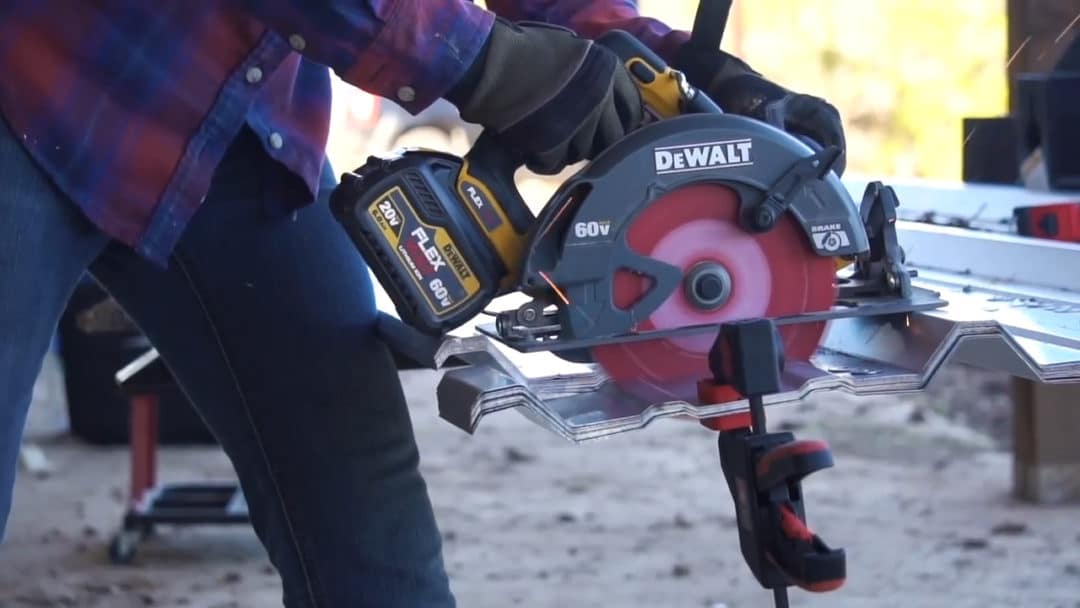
x=297 y=42
x=254 y=75
x=406 y=94
x=276 y=141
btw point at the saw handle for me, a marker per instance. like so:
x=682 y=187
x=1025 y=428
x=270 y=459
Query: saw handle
x=710 y=21
x=485 y=183
x=487 y=175
x=664 y=91
x=490 y=166
x=485 y=186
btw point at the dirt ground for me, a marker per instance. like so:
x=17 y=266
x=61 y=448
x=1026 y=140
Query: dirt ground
x=919 y=499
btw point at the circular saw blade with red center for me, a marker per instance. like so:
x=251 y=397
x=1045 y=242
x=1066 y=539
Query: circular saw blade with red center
x=773 y=274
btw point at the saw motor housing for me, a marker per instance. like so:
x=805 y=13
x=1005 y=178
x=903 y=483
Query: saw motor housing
x=445 y=235
x=579 y=241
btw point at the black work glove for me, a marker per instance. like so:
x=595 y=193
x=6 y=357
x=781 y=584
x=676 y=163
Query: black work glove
x=551 y=96
x=738 y=89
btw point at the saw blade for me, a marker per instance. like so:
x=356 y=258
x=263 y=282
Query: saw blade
x=729 y=274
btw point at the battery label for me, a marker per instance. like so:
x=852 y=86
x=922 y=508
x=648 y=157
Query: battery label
x=427 y=252
x=485 y=211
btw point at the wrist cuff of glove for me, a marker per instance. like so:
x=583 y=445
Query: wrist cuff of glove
x=462 y=90
x=520 y=70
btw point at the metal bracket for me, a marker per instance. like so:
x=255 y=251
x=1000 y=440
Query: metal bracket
x=882 y=269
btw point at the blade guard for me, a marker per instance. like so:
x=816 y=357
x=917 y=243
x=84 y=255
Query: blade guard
x=579 y=240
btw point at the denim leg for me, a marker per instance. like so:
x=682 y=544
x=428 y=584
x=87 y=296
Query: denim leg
x=267 y=322
x=45 y=246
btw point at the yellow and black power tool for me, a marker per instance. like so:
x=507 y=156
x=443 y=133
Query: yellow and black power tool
x=445 y=235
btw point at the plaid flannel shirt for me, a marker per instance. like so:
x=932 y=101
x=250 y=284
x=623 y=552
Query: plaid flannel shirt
x=129 y=105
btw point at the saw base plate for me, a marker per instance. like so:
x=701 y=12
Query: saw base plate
x=872 y=306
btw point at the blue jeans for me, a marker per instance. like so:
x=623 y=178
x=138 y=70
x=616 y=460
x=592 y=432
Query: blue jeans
x=267 y=321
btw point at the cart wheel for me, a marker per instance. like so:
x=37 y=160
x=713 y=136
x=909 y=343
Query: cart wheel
x=122 y=548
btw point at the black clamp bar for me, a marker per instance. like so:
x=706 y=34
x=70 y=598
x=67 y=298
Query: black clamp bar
x=764 y=470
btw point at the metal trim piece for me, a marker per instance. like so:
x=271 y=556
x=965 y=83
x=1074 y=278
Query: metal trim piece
x=985 y=204
x=1028 y=328
x=998 y=257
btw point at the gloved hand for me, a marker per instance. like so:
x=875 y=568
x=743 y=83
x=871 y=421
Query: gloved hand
x=738 y=89
x=551 y=96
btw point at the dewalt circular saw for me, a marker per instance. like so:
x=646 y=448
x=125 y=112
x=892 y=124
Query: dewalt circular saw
x=695 y=219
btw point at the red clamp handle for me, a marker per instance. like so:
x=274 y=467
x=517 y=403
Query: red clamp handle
x=791 y=462
x=804 y=558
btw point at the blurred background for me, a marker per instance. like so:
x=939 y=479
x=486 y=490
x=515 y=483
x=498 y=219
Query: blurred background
x=903 y=73
x=934 y=496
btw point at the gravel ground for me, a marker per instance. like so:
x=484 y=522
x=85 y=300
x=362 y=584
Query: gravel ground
x=919 y=499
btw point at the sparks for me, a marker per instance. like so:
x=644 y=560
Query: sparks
x=1016 y=53
x=1067 y=28
x=968 y=138
x=558 y=214
x=554 y=287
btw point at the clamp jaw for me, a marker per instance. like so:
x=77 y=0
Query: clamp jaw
x=764 y=470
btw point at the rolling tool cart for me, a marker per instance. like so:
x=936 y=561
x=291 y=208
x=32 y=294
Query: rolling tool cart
x=145 y=381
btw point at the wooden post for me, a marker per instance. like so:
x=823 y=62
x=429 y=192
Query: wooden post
x=1046 y=418
x=1046 y=452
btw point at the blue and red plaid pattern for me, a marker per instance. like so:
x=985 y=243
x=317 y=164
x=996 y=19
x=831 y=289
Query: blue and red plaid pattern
x=129 y=105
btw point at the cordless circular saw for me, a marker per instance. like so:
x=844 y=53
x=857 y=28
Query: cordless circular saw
x=695 y=219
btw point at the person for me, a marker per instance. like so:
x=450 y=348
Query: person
x=175 y=151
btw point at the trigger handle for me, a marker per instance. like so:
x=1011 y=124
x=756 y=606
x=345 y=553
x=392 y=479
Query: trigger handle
x=485 y=185
x=664 y=91
x=490 y=167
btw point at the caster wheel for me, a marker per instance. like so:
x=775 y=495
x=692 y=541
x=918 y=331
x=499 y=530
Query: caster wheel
x=122 y=548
